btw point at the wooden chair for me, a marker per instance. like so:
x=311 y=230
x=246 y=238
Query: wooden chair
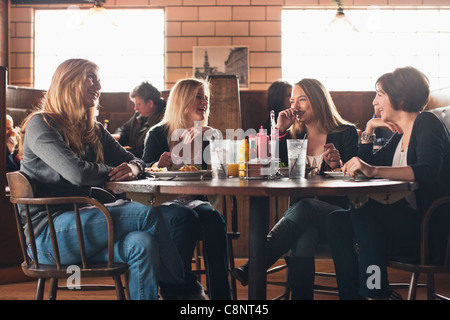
x=424 y=265
x=23 y=193
x=233 y=234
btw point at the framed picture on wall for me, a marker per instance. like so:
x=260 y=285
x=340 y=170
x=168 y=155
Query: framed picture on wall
x=217 y=60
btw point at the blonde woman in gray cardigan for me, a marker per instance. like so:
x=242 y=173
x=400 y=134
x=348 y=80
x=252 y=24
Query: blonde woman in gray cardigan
x=65 y=152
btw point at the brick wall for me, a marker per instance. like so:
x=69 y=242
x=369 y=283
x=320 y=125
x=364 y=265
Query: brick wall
x=256 y=23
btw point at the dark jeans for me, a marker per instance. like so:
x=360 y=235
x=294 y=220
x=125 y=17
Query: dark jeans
x=382 y=232
x=309 y=215
x=208 y=224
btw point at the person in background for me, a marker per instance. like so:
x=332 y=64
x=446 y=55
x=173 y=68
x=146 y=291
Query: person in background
x=187 y=112
x=278 y=99
x=66 y=152
x=331 y=140
x=418 y=151
x=149 y=109
x=12 y=145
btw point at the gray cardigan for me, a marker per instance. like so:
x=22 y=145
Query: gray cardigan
x=56 y=171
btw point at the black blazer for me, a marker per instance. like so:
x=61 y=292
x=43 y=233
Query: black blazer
x=428 y=156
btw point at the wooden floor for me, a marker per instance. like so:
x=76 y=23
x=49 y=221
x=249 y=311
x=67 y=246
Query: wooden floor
x=25 y=290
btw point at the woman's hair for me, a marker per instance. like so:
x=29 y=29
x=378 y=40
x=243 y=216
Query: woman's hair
x=408 y=89
x=322 y=107
x=63 y=105
x=276 y=96
x=147 y=92
x=181 y=98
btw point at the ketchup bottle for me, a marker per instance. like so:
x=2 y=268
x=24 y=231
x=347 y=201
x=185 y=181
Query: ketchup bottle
x=262 y=142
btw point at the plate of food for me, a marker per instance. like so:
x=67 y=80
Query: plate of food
x=184 y=173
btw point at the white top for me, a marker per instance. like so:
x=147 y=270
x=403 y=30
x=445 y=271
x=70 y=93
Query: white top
x=315 y=161
x=400 y=160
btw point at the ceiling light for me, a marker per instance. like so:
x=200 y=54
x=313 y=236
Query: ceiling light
x=98 y=17
x=340 y=22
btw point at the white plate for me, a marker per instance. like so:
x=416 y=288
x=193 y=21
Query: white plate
x=340 y=175
x=180 y=175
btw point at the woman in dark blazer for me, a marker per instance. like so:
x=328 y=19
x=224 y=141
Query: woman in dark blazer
x=331 y=141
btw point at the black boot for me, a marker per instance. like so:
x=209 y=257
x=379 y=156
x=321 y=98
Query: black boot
x=279 y=241
x=301 y=272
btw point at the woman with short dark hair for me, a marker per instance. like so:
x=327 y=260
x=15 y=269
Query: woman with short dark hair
x=419 y=151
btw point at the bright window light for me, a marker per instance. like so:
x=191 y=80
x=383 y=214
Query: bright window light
x=128 y=53
x=349 y=61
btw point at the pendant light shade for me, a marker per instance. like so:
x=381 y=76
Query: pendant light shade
x=340 y=22
x=98 y=17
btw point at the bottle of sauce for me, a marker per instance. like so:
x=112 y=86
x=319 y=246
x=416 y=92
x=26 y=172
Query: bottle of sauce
x=262 y=142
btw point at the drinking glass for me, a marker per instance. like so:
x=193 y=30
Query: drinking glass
x=297 y=157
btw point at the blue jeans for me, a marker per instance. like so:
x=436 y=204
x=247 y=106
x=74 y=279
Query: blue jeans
x=202 y=222
x=141 y=240
x=382 y=232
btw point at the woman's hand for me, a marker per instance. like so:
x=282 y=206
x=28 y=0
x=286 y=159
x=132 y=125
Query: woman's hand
x=331 y=156
x=190 y=134
x=124 y=171
x=165 y=160
x=374 y=123
x=286 y=118
x=355 y=165
x=193 y=138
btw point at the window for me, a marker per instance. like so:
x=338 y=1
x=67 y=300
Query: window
x=387 y=39
x=128 y=53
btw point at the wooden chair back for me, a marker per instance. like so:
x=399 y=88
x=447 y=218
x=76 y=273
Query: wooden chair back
x=225 y=104
x=425 y=264
x=22 y=193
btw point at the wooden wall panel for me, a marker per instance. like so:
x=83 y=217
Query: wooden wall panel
x=10 y=255
x=355 y=107
x=254 y=109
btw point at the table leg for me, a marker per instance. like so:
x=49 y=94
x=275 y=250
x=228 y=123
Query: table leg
x=259 y=225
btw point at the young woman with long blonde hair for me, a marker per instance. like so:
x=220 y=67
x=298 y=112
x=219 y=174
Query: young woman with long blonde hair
x=66 y=152
x=184 y=124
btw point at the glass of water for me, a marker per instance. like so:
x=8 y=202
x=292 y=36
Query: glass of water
x=297 y=157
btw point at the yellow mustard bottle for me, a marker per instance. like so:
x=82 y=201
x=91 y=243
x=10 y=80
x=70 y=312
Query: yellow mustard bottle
x=243 y=157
